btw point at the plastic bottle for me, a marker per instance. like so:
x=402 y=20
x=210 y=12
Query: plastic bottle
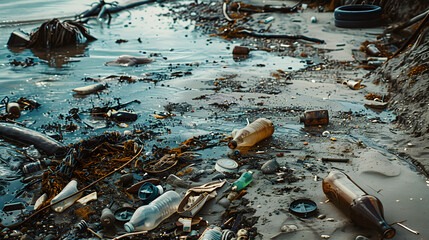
x=211 y=234
x=13 y=109
x=149 y=216
x=243 y=181
x=252 y=133
x=34 y=166
x=363 y=209
x=107 y=218
x=122 y=116
x=315 y=117
x=373 y=50
x=68 y=190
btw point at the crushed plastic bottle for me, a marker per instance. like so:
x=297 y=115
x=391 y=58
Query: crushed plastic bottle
x=69 y=189
x=253 y=133
x=149 y=216
x=243 y=181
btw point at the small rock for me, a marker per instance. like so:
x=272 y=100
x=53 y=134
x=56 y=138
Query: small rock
x=289 y=228
x=232 y=195
x=330 y=219
x=26 y=237
x=50 y=237
x=321 y=216
x=242 y=233
x=16 y=233
x=324 y=236
x=224 y=203
x=270 y=167
x=360 y=237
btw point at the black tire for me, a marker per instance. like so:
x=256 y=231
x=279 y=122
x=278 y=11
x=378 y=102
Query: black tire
x=358 y=24
x=357 y=12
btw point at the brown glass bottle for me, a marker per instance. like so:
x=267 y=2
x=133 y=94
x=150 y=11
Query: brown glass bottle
x=363 y=209
x=315 y=117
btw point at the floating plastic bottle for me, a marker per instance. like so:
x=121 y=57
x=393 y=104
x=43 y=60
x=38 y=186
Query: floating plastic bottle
x=13 y=109
x=149 y=216
x=363 y=209
x=252 y=133
x=35 y=166
x=315 y=117
x=243 y=181
x=211 y=234
x=122 y=116
x=68 y=190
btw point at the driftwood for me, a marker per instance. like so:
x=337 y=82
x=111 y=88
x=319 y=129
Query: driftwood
x=295 y=37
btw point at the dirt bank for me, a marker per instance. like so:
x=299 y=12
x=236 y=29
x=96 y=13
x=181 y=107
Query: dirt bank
x=406 y=78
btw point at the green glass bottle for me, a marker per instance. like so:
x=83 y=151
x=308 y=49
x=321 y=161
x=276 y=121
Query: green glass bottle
x=242 y=182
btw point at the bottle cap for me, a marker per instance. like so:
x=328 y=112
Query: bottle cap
x=148 y=192
x=303 y=208
x=160 y=189
x=389 y=233
x=232 y=144
x=226 y=165
x=129 y=227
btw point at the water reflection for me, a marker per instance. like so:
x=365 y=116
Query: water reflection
x=58 y=57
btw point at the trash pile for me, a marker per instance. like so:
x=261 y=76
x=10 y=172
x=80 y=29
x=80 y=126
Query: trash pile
x=116 y=186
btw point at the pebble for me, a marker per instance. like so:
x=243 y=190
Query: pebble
x=270 y=167
x=330 y=219
x=224 y=202
x=26 y=237
x=289 y=228
x=242 y=233
x=324 y=236
x=50 y=237
x=232 y=195
x=321 y=216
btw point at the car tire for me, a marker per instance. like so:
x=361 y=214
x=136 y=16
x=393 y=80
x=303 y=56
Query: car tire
x=357 y=12
x=358 y=24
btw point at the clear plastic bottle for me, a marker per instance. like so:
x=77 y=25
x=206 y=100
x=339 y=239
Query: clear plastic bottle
x=13 y=109
x=252 y=133
x=149 y=216
x=211 y=234
x=68 y=190
x=35 y=166
x=363 y=209
x=243 y=181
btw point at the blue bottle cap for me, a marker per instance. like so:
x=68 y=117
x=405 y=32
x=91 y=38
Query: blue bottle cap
x=148 y=192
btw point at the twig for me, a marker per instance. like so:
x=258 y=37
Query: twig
x=130 y=234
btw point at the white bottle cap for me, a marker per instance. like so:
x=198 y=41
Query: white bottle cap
x=161 y=190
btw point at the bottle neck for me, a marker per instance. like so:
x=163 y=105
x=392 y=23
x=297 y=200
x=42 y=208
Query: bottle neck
x=387 y=230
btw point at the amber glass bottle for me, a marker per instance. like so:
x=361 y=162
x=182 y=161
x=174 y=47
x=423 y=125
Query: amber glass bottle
x=315 y=117
x=363 y=209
